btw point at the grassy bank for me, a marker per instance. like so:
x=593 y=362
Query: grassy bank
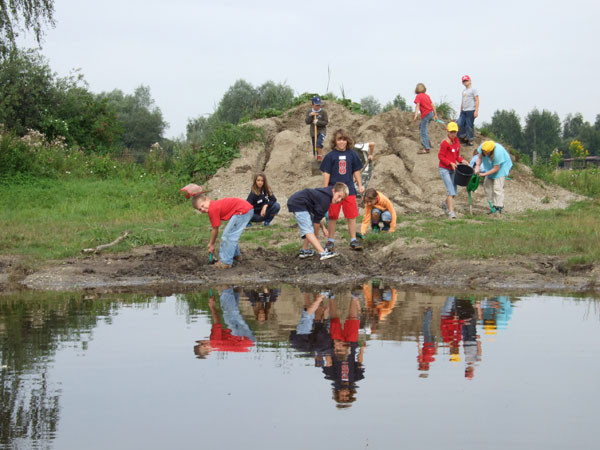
x=54 y=219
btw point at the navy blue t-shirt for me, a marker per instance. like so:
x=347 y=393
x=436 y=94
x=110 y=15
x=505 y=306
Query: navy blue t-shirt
x=341 y=166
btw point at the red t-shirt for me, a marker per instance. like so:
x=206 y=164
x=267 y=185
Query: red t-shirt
x=425 y=105
x=449 y=153
x=223 y=209
x=222 y=340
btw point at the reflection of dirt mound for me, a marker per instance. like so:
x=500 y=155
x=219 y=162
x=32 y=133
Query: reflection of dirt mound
x=410 y=180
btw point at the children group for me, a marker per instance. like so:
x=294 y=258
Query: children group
x=341 y=169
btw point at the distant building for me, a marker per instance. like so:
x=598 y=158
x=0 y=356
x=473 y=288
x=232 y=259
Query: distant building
x=580 y=163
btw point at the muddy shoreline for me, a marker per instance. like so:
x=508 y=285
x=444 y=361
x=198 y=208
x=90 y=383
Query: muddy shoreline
x=164 y=270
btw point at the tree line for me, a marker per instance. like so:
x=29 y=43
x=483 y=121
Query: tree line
x=544 y=134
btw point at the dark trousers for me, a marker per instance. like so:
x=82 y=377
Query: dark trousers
x=270 y=214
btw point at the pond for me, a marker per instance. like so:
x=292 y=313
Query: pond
x=279 y=367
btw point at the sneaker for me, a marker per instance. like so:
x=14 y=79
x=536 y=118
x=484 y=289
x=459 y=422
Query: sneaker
x=221 y=265
x=319 y=158
x=386 y=229
x=249 y=225
x=306 y=253
x=267 y=223
x=499 y=209
x=376 y=229
x=329 y=246
x=355 y=245
x=451 y=215
x=327 y=254
x=470 y=143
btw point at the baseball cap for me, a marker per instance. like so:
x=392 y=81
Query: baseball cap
x=466 y=77
x=316 y=100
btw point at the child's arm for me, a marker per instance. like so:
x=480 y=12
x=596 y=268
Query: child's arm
x=435 y=116
x=476 y=107
x=323 y=119
x=371 y=150
x=417 y=105
x=213 y=238
x=356 y=176
x=326 y=177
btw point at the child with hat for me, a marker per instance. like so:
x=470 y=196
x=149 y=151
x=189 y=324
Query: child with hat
x=317 y=119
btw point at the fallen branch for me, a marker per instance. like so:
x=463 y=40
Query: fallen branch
x=99 y=248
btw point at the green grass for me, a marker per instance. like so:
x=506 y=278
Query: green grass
x=584 y=182
x=55 y=219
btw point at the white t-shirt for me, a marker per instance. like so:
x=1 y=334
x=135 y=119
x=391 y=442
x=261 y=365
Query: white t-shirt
x=468 y=99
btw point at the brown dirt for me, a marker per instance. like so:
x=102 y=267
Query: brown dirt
x=176 y=269
x=410 y=180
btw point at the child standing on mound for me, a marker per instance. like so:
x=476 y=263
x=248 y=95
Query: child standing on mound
x=238 y=212
x=427 y=108
x=343 y=165
x=309 y=206
x=378 y=208
x=317 y=118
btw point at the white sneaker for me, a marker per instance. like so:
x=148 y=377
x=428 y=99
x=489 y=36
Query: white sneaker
x=444 y=206
x=306 y=253
x=451 y=215
x=327 y=254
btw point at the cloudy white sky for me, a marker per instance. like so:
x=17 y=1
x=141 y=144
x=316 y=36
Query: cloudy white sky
x=520 y=54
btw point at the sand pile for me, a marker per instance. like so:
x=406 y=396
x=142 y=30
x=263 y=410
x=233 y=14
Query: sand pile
x=410 y=180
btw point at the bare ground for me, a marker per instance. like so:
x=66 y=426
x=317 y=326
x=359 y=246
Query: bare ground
x=176 y=269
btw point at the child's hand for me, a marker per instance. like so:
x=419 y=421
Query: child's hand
x=361 y=189
x=211 y=248
x=263 y=211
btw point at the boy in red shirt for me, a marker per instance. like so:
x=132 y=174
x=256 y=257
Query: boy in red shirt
x=238 y=212
x=427 y=108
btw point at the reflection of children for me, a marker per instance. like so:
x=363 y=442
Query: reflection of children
x=311 y=334
x=263 y=200
x=378 y=209
x=344 y=367
x=429 y=349
x=317 y=118
x=471 y=340
x=237 y=338
x=451 y=328
x=425 y=106
x=343 y=165
x=238 y=212
x=262 y=302
x=379 y=302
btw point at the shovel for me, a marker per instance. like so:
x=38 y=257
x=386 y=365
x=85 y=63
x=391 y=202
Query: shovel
x=472 y=187
x=316 y=136
x=211 y=258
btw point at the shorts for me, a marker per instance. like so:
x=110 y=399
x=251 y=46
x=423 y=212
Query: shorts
x=305 y=222
x=320 y=140
x=350 y=208
x=448 y=178
x=349 y=333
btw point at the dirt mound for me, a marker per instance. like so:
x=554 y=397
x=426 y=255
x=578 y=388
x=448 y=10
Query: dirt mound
x=410 y=180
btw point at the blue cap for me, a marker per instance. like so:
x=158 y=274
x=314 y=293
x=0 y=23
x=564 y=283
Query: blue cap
x=316 y=100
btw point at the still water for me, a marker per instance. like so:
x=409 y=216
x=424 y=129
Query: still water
x=281 y=368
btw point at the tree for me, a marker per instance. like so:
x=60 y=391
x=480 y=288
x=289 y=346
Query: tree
x=240 y=100
x=542 y=132
x=30 y=15
x=275 y=96
x=141 y=119
x=572 y=126
x=370 y=105
x=506 y=126
x=398 y=103
x=26 y=90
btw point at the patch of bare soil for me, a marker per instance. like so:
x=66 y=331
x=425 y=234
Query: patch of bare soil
x=410 y=180
x=175 y=269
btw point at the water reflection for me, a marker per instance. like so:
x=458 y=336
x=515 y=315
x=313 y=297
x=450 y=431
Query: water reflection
x=323 y=340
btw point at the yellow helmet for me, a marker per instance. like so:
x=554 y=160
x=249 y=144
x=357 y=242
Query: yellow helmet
x=488 y=146
x=452 y=126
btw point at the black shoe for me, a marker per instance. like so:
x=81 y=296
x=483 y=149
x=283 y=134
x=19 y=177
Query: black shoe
x=355 y=245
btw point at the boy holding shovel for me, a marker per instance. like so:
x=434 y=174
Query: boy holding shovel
x=317 y=119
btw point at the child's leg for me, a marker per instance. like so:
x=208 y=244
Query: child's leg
x=310 y=237
x=231 y=235
x=334 y=214
x=375 y=216
x=386 y=218
x=352 y=228
x=272 y=211
x=350 y=208
x=424 y=131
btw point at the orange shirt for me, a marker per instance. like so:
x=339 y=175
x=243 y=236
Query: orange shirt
x=383 y=204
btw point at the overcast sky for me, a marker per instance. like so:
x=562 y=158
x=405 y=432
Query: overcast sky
x=520 y=54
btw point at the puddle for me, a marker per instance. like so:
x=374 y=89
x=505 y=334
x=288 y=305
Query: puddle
x=276 y=367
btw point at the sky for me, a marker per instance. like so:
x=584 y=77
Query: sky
x=520 y=55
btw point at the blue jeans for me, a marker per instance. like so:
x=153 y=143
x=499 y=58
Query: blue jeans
x=448 y=178
x=466 y=129
x=384 y=216
x=230 y=301
x=270 y=214
x=231 y=235
x=423 y=129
